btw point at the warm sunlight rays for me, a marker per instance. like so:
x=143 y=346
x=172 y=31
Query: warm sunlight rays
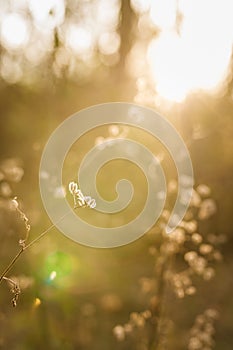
x=181 y=47
x=192 y=47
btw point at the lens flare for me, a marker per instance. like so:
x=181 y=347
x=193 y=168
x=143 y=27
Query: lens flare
x=57 y=265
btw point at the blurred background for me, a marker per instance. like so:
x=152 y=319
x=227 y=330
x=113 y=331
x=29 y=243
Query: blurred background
x=58 y=57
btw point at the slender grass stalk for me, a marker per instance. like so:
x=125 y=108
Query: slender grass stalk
x=79 y=201
x=25 y=247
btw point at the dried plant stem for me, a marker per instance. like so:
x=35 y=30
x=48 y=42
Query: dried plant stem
x=11 y=264
x=162 y=285
x=25 y=247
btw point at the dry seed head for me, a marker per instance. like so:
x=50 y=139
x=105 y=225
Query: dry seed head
x=14 y=202
x=205 y=249
x=196 y=238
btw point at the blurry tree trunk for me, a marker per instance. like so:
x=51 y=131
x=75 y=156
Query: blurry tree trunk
x=127 y=23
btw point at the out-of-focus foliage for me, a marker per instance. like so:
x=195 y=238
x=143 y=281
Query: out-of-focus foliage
x=57 y=58
x=69 y=39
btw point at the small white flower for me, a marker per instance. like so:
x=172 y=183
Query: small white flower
x=73 y=187
x=79 y=199
x=90 y=202
x=14 y=202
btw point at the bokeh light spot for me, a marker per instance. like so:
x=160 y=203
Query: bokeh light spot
x=79 y=39
x=14 y=31
x=37 y=302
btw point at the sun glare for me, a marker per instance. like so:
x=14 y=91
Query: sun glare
x=163 y=13
x=168 y=67
x=198 y=56
x=187 y=44
x=141 y=6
